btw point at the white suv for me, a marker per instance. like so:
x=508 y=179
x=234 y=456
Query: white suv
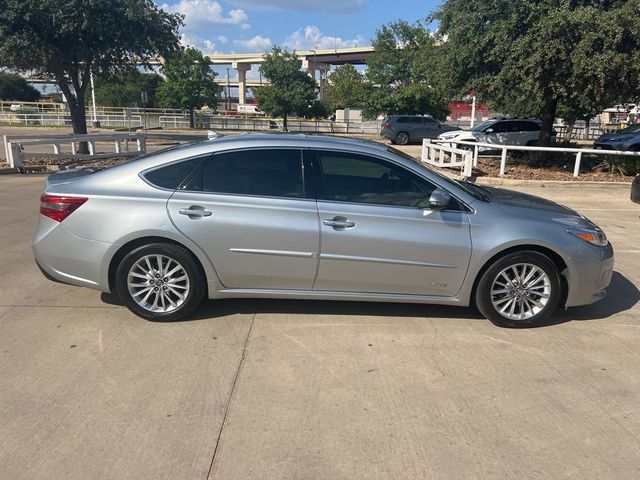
x=501 y=132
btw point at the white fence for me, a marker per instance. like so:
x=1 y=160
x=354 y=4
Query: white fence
x=433 y=154
x=447 y=156
x=18 y=147
x=61 y=119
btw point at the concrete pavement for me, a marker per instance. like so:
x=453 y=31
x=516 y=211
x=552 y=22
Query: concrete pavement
x=250 y=389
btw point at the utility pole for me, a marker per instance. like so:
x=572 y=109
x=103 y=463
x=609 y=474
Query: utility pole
x=228 y=92
x=473 y=111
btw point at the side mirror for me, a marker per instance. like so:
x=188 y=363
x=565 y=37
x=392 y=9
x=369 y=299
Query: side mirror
x=439 y=199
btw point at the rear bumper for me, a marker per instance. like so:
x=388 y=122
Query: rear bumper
x=388 y=134
x=66 y=258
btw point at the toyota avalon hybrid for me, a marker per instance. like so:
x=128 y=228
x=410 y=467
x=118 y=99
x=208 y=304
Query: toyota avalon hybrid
x=312 y=217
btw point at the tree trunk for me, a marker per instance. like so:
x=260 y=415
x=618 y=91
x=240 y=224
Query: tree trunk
x=284 y=123
x=78 y=121
x=548 y=115
x=191 y=121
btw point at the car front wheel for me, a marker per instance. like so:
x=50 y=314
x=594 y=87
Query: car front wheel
x=160 y=282
x=522 y=289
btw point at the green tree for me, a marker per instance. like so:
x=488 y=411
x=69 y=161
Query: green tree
x=14 y=87
x=123 y=89
x=67 y=39
x=190 y=82
x=402 y=70
x=532 y=57
x=290 y=89
x=347 y=88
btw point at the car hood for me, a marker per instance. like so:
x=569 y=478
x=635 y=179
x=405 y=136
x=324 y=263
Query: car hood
x=530 y=206
x=612 y=137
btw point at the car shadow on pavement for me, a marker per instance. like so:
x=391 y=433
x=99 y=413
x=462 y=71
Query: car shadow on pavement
x=219 y=308
x=622 y=295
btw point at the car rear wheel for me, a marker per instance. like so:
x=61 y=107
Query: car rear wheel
x=522 y=289
x=402 y=138
x=160 y=282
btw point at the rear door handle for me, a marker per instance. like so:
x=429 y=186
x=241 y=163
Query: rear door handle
x=195 y=211
x=339 y=222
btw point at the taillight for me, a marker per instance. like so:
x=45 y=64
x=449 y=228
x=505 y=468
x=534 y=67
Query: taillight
x=386 y=125
x=58 y=208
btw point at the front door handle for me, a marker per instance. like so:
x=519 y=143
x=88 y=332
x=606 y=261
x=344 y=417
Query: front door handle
x=339 y=222
x=195 y=211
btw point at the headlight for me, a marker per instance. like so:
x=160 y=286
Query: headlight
x=594 y=236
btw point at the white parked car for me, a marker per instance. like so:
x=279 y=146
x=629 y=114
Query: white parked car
x=499 y=132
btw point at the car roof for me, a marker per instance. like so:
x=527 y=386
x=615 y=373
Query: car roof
x=250 y=140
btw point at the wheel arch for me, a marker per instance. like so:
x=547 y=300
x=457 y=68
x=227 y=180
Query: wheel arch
x=557 y=260
x=138 y=242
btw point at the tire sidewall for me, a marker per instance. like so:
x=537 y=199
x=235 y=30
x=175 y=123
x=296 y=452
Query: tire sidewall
x=483 y=290
x=179 y=254
x=400 y=137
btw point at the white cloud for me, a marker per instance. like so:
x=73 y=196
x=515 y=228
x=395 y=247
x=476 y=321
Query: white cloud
x=310 y=37
x=330 y=6
x=207 y=13
x=256 y=44
x=222 y=39
x=205 y=45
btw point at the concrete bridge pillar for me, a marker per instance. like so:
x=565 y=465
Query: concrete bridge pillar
x=242 y=69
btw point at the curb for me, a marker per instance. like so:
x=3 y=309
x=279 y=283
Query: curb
x=542 y=183
x=8 y=170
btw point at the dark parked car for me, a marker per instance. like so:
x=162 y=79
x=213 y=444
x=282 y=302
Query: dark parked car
x=626 y=139
x=403 y=129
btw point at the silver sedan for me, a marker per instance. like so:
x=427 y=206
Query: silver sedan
x=310 y=217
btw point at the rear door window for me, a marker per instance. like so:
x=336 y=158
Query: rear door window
x=261 y=172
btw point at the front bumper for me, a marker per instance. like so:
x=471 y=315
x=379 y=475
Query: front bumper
x=590 y=275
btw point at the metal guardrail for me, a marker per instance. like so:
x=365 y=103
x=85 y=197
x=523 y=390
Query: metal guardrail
x=15 y=146
x=472 y=161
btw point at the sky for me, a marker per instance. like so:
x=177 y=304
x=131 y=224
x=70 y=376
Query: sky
x=238 y=26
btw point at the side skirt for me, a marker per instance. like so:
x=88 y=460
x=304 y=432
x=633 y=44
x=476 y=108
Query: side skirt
x=329 y=295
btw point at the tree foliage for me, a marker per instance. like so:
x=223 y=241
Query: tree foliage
x=190 y=82
x=402 y=71
x=347 y=88
x=14 y=87
x=532 y=57
x=67 y=39
x=290 y=89
x=124 y=89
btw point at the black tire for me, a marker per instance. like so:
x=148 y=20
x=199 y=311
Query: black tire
x=402 y=138
x=529 y=293
x=169 y=290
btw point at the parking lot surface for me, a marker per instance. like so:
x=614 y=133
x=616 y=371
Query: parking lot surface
x=257 y=389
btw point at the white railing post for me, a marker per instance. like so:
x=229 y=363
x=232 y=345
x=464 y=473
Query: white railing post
x=476 y=152
x=576 y=169
x=468 y=165
x=15 y=159
x=503 y=162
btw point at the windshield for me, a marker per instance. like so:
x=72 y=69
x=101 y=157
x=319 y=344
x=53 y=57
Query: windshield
x=470 y=188
x=631 y=129
x=481 y=126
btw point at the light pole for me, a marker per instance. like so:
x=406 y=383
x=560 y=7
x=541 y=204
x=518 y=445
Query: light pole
x=228 y=92
x=93 y=101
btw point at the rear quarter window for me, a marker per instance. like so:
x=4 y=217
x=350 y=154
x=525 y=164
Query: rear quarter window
x=171 y=176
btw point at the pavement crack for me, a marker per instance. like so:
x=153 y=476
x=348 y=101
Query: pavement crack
x=231 y=395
